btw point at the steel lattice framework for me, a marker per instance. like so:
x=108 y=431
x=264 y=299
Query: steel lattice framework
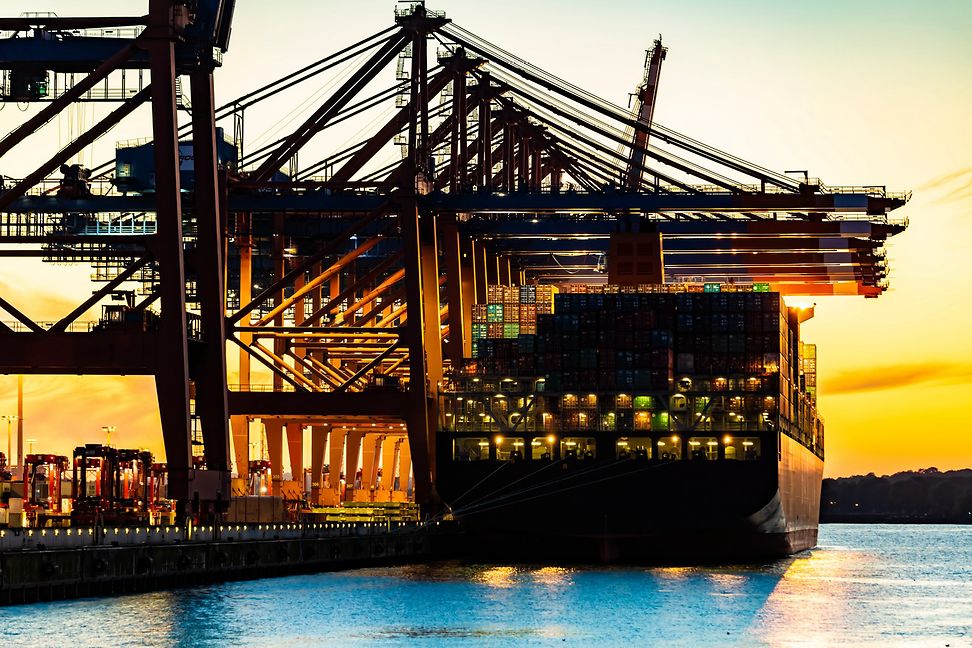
x=350 y=281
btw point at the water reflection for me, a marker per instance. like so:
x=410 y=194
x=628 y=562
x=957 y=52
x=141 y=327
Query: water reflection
x=497 y=577
x=905 y=586
x=552 y=577
x=877 y=586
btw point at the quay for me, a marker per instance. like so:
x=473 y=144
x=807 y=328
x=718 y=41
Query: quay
x=50 y=564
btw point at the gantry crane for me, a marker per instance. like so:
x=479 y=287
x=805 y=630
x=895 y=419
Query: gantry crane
x=350 y=281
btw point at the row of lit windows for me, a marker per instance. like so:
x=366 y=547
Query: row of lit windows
x=568 y=448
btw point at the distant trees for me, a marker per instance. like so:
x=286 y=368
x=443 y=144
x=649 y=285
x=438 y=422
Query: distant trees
x=926 y=495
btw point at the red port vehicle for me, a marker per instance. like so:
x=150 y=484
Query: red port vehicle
x=43 y=504
x=111 y=486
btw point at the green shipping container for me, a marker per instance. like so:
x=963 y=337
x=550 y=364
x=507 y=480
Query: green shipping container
x=642 y=402
x=659 y=422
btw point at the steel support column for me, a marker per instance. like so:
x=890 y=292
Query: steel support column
x=454 y=288
x=420 y=392
x=273 y=428
x=389 y=457
x=504 y=275
x=406 y=466
x=352 y=461
x=318 y=447
x=241 y=432
x=295 y=449
x=468 y=286
x=479 y=269
x=485 y=152
x=172 y=374
x=331 y=494
x=211 y=385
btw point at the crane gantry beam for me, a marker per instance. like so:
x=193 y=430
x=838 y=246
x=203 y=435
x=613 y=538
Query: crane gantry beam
x=353 y=292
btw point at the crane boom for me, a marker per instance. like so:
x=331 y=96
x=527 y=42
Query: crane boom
x=647 y=92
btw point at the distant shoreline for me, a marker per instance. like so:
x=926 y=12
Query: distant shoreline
x=926 y=496
x=887 y=519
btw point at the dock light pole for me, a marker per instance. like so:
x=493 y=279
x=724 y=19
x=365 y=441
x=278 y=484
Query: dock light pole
x=30 y=446
x=108 y=429
x=9 y=418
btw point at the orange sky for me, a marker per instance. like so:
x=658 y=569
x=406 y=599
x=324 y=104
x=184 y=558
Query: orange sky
x=874 y=94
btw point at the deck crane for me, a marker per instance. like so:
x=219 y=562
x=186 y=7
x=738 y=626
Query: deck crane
x=645 y=110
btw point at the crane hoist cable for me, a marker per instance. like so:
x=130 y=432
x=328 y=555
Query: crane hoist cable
x=560 y=86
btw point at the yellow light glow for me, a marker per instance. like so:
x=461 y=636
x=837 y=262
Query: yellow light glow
x=727 y=440
x=551 y=439
x=498 y=440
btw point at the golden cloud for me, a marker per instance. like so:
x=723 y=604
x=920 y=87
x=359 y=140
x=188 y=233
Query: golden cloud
x=35 y=303
x=955 y=186
x=897 y=376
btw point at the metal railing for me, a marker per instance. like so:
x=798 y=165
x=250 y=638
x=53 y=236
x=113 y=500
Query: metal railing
x=260 y=387
x=101 y=228
x=13 y=539
x=79 y=326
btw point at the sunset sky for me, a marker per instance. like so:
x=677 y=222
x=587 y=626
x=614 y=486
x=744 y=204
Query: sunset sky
x=877 y=93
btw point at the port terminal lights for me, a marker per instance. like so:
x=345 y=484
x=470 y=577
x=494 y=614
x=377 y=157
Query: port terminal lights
x=108 y=429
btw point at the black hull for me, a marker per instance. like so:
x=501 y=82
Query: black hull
x=638 y=511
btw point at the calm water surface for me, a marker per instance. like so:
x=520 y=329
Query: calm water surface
x=864 y=586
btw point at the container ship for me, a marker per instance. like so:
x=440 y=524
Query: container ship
x=634 y=423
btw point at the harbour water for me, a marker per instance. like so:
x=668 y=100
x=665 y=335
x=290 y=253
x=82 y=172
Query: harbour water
x=865 y=585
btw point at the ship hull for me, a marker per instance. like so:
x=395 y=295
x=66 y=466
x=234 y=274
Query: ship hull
x=638 y=511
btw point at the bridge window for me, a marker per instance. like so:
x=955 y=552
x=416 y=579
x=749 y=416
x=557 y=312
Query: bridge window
x=742 y=448
x=703 y=448
x=509 y=448
x=471 y=449
x=669 y=448
x=543 y=448
x=634 y=448
x=577 y=448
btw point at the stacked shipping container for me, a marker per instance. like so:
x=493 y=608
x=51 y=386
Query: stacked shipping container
x=504 y=328
x=662 y=359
